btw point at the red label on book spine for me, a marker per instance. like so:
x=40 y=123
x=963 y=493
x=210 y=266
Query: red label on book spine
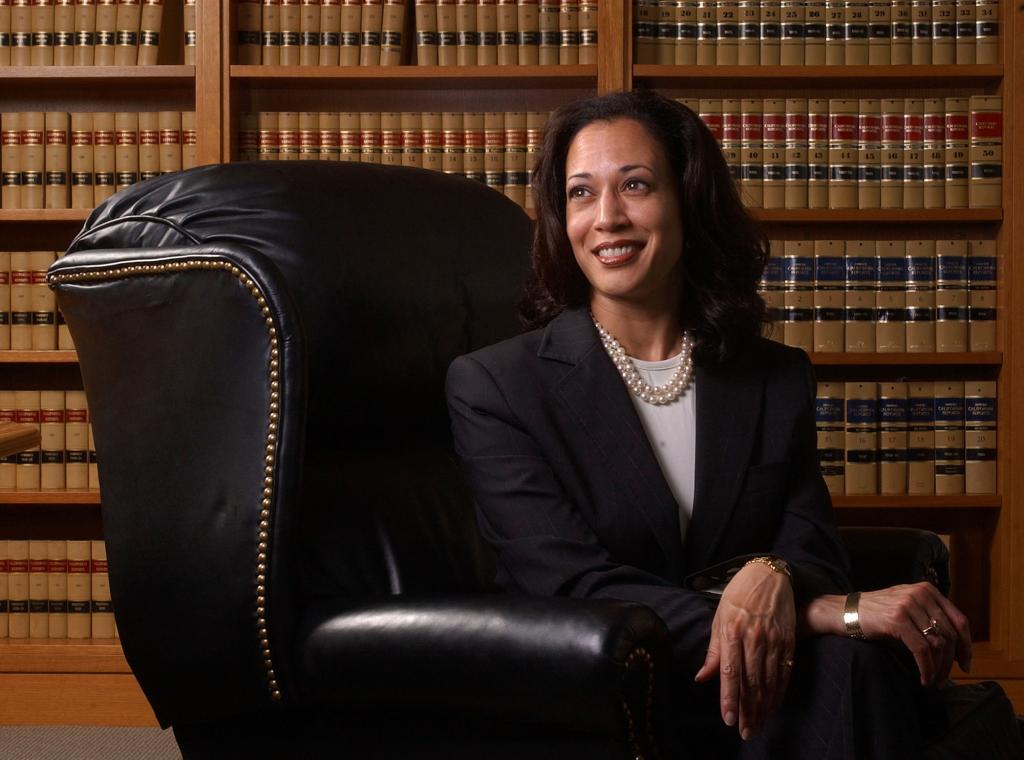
x=715 y=124
x=52 y=415
x=913 y=128
x=78 y=565
x=774 y=127
x=732 y=127
x=870 y=127
x=796 y=127
x=56 y=137
x=127 y=137
x=103 y=138
x=986 y=125
x=77 y=415
x=81 y=137
x=98 y=565
x=17 y=565
x=957 y=127
x=56 y=566
x=149 y=137
x=31 y=137
x=892 y=128
x=27 y=416
x=37 y=565
x=934 y=128
x=10 y=137
x=843 y=128
x=752 y=127
x=817 y=127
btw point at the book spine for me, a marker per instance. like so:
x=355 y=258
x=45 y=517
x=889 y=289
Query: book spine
x=288 y=135
x=309 y=33
x=433 y=140
x=728 y=32
x=105 y=37
x=980 y=437
x=5 y=60
x=370 y=26
x=835 y=32
x=861 y=438
x=412 y=140
x=10 y=160
x=63 y=33
x=891 y=297
x=26 y=412
x=724 y=119
x=53 y=440
x=707 y=33
x=21 y=33
x=454 y=143
x=920 y=296
x=569 y=32
x=267 y=149
x=774 y=153
x=270 y=37
x=798 y=299
x=588 y=31
x=76 y=441
x=425 y=12
x=126 y=49
x=943 y=32
x=913 y=153
x=749 y=46
x=752 y=152
x=949 y=437
x=494 y=150
x=772 y=291
x=170 y=141
x=536 y=121
x=21 y=301
x=966 y=30
x=986 y=32
x=986 y=151
x=981 y=279
x=792 y=46
x=815 y=33
x=100 y=606
x=856 y=20
x=9 y=463
x=528 y=21
x=861 y=281
x=290 y=20
x=369 y=137
x=516 y=178
x=665 y=32
x=934 y=153
x=829 y=296
x=842 y=153
x=892 y=438
x=880 y=32
x=771 y=33
x=126 y=149
x=57 y=589
x=351 y=24
x=4 y=591
x=957 y=133
x=869 y=154
x=149 y=145
x=921 y=42
x=85 y=32
x=64 y=339
x=829 y=419
x=33 y=159
x=893 y=157
x=507 y=31
x=56 y=158
x=17 y=589
x=82 y=167
x=951 y=296
x=902 y=33
x=38 y=591
x=391 y=138
x=150 y=24
x=5 y=307
x=309 y=136
x=392 y=32
x=473 y=145
x=796 y=158
x=330 y=33
x=79 y=590
x=189 y=140
x=41 y=17
x=547 y=24
x=247 y=38
x=645 y=30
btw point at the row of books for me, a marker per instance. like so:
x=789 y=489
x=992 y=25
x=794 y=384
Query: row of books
x=885 y=296
x=816 y=32
x=76 y=160
x=66 y=456
x=375 y=32
x=845 y=153
x=496 y=148
x=908 y=438
x=29 y=318
x=55 y=590
x=80 y=32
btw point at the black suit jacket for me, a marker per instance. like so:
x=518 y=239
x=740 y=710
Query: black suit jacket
x=571 y=496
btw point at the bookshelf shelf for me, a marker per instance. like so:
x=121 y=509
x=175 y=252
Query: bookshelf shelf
x=429 y=77
x=62 y=656
x=38 y=357
x=894 y=501
x=886 y=216
x=977 y=358
x=43 y=498
x=818 y=76
x=44 y=216
x=121 y=75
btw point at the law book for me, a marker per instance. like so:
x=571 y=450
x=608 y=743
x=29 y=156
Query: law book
x=799 y=295
x=351 y=24
x=892 y=437
x=9 y=462
x=771 y=32
x=569 y=33
x=549 y=38
x=425 y=20
x=170 y=141
x=588 y=31
x=856 y=20
x=913 y=153
x=494 y=150
x=966 y=30
x=64 y=340
x=4 y=591
x=392 y=32
x=79 y=590
x=815 y=33
x=369 y=137
x=665 y=32
x=507 y=31
x=686 y=31
x=94 y=475
x=21 y=301
x=795 y=194
x=752 y=152
x=309 y=136
x=749 y=46
x=645 y=30
x=100 y=606
x=536 y=121
x=724 y=118
x=920 y=296
x=10 y=160
x=64 y=33
x=391 y=138
x=835 y=32
x=189 y=140
x=893 y=154
x=412 y=140
x=17 y=589
x=5 y=51
x=981 y=280
x=817 y=153
x=869 y=153
x=951 y=296
x=149 y=145
x=772 y=291
x=431 y=123
x=980 y=437
x=290 y=21
x=728 y=32
x=57 y=589
x=267 y=135
x=861 y=283
x=190 y=29
x=85 y=32
x=829 y=407
x=921 y=42
x=370 y=26
x=454 y=144
x=447 y=33
x=76 y=441
x=270 y=36
x=986 y=32
x=773 y=155
x=21 y=33
x=986 y=151
x=943 y=32
x=330 y=33
x=126 y=149
x=33 y=159
x=38 y=591
x=921 y=438
x=949 y=437
x=288 y=135
x=327 y=139
x=880 y=32
x=81 y=160
x=516 y=177
x=902 y=33
x=129 y=16
x=528 y=21
x=473 y=145
x=105 y=36
x=934 y=153
x=5 y=303
x=829 y=296
x=707 y=33
x=792 y=45
x=247 y=32
x=891 y=297
x=44 y=302
x=861 y=438
x=42 y=33
x=309 y=33
x=957 y=155
x=842 y=153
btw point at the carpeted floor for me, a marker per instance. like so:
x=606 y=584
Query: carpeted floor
x=86 y=743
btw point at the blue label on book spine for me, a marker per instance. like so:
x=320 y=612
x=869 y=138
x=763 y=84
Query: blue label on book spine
x=951 y=267
x=773 y=270
x=980 y=409
x=828 y=410
x=892 y=411
x=921 y=409
x=892 y=270
x=861 y=269
x=798 y=268
x=830 y=269
x=920 y=269
x=949 y=409
x=861 y=411
x=981 y=269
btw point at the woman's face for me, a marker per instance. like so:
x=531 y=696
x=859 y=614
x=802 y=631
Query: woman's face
x=622 y=214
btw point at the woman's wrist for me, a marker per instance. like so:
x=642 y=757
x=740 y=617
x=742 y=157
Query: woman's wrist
x=824 y=614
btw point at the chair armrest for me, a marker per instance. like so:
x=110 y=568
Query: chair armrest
x=582 y=664
x=881 y=557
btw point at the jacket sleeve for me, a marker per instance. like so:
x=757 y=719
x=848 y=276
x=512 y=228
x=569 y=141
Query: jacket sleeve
x=543 y=544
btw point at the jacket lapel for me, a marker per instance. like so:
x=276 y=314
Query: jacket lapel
x=600 y=405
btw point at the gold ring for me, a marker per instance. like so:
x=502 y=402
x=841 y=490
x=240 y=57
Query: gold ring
x=787 y=663
x=933 y=628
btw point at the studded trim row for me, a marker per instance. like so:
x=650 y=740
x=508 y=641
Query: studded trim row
x=270 y=452
x=642 y=657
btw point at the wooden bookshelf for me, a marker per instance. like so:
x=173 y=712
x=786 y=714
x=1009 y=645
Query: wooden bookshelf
x=885 y=216
x=931 y=501
x=38 y=357
x=62 y=656
x=83 y=498
x=978 y=358
x=805 y=77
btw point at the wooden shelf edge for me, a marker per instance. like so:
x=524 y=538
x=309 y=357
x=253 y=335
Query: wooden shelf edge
x=97 y=73
x=886 y=501
x=42 y=498
x=924 y=74
x=892 y=216
x=62 y=656
x=977 y=358
x=38 y=357
x=47 y=216
x=412 y=72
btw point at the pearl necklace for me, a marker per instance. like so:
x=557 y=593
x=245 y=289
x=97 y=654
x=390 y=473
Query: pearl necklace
x=652 y=394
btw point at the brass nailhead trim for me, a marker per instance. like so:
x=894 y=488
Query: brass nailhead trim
x=645 y=657
x=268 y=481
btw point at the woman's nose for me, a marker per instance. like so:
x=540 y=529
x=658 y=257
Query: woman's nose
x=611 y=213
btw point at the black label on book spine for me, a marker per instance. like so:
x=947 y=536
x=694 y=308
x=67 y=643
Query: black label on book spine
x=920 y=455
x=980 y=455
x=986 y=171
x=860 y=315
x=831 y=456
x=271 y=39
x=771 y=31
x=880 y=31
x=981 y=314
x=309 y=39
x=828 y=314
x=891 y=315
x=950 y=314
x=63 y=39
x=290 y=39
x=861 y=456
x=814 y=31
x=78 y=608
x=129 y=39
x=101 y=606
x=949 y=469
x=38 y=605
x=922 y=30
x=508 y=38
x=987 y=29
x=869 y=173
x=892 y=456
x=424 y=38
x=105 y=38
x=57 y=605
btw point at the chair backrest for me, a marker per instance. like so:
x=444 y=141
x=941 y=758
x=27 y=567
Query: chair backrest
x=263 y=346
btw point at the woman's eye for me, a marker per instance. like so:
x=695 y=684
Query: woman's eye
x=635 y=184
x=577 y=192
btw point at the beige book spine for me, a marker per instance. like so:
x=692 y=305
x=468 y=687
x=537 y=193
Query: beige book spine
x=44 y=303
x=856 y=18
x=447 y=33
x=287 y=135
x=21 y=301
x=129 y=15
x=842 y=153
x=528 y=20
x=829 y=414
x=248 y=27
x=569 y=32
x=951 y=296
x=126 y=149
x=82 y=167
x=494 y=150
x=966 y=31
x=17 y=589
x=21 y=33
x=64 y=340
x=773 y=153
x=38 y=590
x=473 y=145
x=943 y=32
x=749 y=53
x=290 y=20
x=57 y=159
x=79 y=590
x=330 y=33
x=665 y=32
x=982 y=274
x=76 y=441
x=33 y=159
x=536 y=122
x=902 y=33
x=309 y=33
x=920 y=296
x=391 y=138
x=913 y=153
x=892 y=438
x=707 y=34
x=4 y=591
x=10 y=160
x=454 y=142
x=369 y=137
x=548 y=20
x=190 y=28
x=426 y=32
x=412 y=139
x=42 y=33
x=370 y=23
x=949 y=437
x=5 y=308
x=724 y=117
x=815 y=33
x=987 y=32
x=921 y=41
x=986 y=151
x=727 y=19
x=880 y=32
x=516 y=178
x=507 y=29
x=392 y=33
x=957 y=154
x=57 y=588
x=85 y=32
x=105 y=37
x=94 y=475
x=189 y=140
x=798 y=297
x=351 y=24
x=861 y=298
x=892 y=156
x=934 y=153
x=752 y=152
x=487 y=33
x=349 y=141
x=100 y=606
x=270 y=37
x=588 y=32
x=891 y=298
x=149 y=145
x=5 y=60
x=9 y=463
x=772 y=291
x=793 y=20
x=170 y=141
x=63 y=33
x=466 y=32
x=796 y=153
x=835 y=32
x=645 y=30
x=829 y=296
x=980 y=437
x=869 y=153
x=861 y=438
x=433 y=140
x=771 y=33
x=309 y=136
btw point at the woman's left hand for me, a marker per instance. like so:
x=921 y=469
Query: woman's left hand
x=753 y=637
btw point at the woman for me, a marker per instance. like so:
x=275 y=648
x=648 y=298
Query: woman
x=645 y=431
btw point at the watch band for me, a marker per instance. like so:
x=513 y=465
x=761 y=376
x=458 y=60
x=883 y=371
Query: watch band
x=778 y=565
x=851 y=616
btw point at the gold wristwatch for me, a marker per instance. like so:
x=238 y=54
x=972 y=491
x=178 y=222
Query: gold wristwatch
x=775 y=563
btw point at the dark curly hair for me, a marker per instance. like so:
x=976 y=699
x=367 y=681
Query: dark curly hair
x=724 y=249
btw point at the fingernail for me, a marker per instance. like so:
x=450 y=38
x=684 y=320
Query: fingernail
x=730 y=718
x=746 y=734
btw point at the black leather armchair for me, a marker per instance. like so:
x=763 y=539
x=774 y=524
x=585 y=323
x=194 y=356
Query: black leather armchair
x=295 y=565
